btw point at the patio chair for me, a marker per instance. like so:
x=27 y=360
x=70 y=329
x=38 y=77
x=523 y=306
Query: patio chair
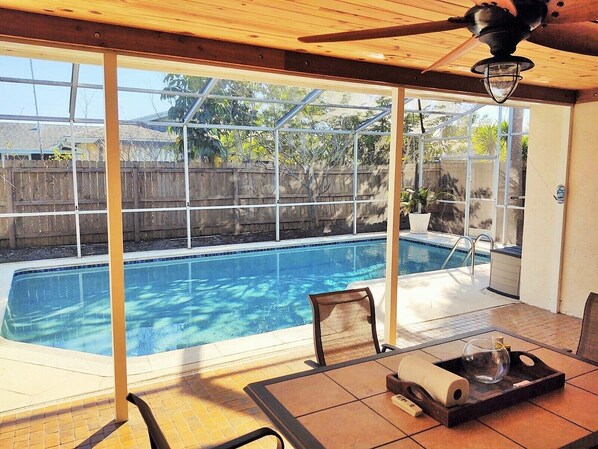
x=588 y=340
x=158 y=440
x=344 y=326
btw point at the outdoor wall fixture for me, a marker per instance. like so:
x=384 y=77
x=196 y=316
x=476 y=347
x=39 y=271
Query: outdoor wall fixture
x=560 y=194
x=501 y=74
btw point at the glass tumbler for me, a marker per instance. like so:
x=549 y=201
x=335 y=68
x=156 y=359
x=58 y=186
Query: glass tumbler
x=486 y=360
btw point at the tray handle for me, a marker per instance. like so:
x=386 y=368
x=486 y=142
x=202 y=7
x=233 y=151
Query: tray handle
x=516 y=356
x=413 y=391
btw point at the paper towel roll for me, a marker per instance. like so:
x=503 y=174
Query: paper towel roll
x=445 y=387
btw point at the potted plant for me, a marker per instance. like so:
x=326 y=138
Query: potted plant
x=414 y=203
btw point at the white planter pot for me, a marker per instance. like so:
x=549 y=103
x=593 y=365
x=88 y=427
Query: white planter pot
x=418 y=223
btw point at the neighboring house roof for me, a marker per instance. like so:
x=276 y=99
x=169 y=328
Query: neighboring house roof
x=26 y=135
x=134 y=133
x=18 y=136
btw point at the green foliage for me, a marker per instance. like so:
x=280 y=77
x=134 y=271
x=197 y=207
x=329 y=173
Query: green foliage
x=207 y=144
x=434 y=149
x=58 y=155
x=484 y=140
x=408 y=204
x=203 y=144
x=422 y=197
x=375 y=149
x=328 y=150
x=524 y=146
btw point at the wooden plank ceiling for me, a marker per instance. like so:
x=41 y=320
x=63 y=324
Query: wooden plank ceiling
x=278 y=24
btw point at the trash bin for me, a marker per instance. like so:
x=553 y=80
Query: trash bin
x=505 y=271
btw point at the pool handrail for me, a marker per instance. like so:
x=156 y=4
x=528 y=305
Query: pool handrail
x=471 y=252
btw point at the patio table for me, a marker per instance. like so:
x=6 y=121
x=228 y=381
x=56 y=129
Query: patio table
x=348 y=405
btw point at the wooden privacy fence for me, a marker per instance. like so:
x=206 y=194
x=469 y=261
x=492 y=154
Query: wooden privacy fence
x=36 y=187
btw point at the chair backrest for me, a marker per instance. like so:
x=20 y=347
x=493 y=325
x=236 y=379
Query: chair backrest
x=157 y=438
x=588 y=340
x=344 y=324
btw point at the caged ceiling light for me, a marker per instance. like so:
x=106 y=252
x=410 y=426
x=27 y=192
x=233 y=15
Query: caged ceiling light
x=502 y=74
x=502 y=71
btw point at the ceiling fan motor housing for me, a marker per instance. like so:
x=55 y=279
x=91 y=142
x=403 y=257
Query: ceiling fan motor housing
x=500 y=29
x=503 y=42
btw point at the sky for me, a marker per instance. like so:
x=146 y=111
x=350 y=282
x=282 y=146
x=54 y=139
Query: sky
x=53 y=101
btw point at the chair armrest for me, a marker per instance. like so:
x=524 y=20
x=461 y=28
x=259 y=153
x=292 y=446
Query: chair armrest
x=252 y=436
x=386 y=347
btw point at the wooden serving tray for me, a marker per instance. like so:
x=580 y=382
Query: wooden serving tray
x=484 y=398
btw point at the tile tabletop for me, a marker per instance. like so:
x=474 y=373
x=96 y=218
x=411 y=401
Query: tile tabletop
x=348 y=406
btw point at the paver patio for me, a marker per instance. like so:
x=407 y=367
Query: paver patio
x=204 y=408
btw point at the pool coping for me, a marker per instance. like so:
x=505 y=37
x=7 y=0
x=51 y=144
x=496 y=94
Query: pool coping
x=196 y=357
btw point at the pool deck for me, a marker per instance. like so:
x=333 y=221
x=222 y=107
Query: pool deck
x=207 y=407
x=32 y=375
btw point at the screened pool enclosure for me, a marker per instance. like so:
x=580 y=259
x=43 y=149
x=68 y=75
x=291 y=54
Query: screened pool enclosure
x=205 y=155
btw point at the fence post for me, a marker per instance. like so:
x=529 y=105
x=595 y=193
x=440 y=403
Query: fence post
x=12 y=230
x=135 y=183
x=237 y=212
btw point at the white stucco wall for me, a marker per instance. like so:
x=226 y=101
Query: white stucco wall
x=580 y=255
x=544 y=218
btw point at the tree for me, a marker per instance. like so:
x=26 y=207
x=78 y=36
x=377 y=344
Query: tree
x=374 y=149
x=246 y=146
x=309 y=158
x=448 y=139
x=484 y=139
x=205 y=144
x=305 y=157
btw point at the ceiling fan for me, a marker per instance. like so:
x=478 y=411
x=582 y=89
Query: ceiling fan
x=569 y=25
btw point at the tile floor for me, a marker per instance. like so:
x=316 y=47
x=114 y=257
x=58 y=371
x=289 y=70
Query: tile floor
x=206 y=407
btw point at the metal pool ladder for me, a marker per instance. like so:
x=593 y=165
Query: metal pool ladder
x=472 y=244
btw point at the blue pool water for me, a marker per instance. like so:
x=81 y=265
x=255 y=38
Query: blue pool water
x=184 y=302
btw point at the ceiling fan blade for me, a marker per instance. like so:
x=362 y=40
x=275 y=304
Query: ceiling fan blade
x=466 y=46
x=571 y=11
x=504 y=4
x=573 y=37
x=394 y=31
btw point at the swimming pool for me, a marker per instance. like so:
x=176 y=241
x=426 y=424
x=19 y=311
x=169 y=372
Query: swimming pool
x=189 y=301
